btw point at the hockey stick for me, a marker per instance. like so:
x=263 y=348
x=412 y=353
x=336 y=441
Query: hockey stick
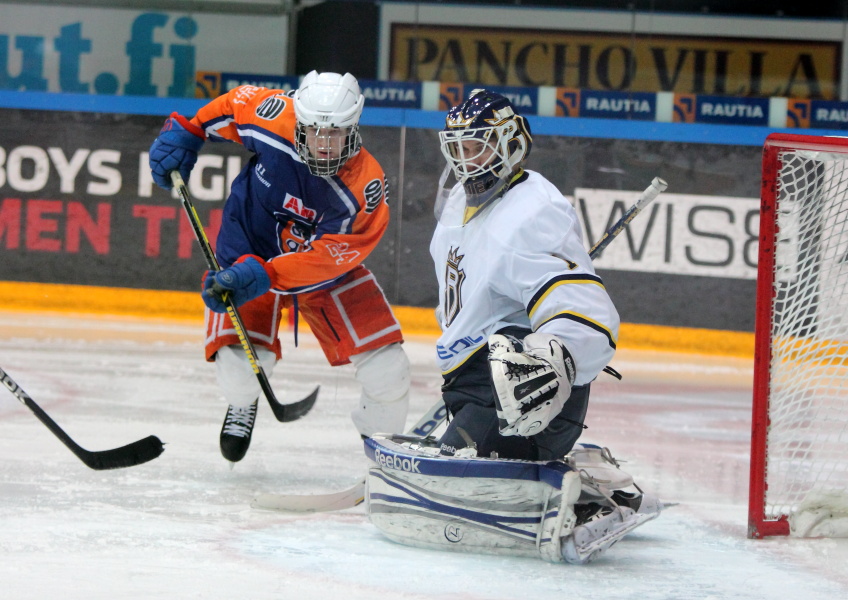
x=283 y=412
x=651 y=192
x=130 y=455
x=352 y=496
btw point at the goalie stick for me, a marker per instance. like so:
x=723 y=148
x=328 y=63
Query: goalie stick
x=130 y=455
x=355 y=495
x=283 y=412
x=652 y=191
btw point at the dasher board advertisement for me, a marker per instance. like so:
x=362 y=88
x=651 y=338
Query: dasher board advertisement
x=46 y=48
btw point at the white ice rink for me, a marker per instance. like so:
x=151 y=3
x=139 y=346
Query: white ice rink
x=181 y=526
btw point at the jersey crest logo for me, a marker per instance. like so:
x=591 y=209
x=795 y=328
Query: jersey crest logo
x=271 y=107
x=454 y=276
x=373 y=194
x=296 y=206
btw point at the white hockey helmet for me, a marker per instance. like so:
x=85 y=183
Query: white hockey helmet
x=327 y=107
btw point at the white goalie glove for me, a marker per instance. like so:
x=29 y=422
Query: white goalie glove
x=532 y=382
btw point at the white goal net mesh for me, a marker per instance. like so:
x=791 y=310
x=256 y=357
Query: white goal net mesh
x=807 y=439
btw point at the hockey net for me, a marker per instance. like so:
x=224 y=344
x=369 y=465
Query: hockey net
x=799 y=451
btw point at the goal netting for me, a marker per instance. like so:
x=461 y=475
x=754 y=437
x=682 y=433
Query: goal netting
x=799 y=452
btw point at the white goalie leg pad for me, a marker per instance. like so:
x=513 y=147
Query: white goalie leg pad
x=559 y=520
x=236 y=379
x=384 y=376
x=417 y=497
x=533 y=385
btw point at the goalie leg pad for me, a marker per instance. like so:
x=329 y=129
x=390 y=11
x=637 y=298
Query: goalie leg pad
x=419 y=498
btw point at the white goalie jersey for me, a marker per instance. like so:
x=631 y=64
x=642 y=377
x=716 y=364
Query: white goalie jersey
x=520 y=262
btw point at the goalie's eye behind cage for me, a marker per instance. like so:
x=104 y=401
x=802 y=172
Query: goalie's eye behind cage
x=485 y=143
x=489 y=119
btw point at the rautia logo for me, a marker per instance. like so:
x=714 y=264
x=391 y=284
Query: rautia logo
x=410 y=465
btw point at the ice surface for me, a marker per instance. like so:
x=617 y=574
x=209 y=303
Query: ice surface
x=181 y=526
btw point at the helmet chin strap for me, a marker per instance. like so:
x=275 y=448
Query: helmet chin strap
x=483 y=191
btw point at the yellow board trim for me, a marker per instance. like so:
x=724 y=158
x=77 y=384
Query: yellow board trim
x=51 y=297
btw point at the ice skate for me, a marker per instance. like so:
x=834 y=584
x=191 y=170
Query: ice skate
x=237 y=430
x=602 y=524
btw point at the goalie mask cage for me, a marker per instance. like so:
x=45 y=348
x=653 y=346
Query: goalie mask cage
x=799 y=449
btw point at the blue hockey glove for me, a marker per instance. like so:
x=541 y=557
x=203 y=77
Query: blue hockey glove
x=242 y=282
x=175 y=149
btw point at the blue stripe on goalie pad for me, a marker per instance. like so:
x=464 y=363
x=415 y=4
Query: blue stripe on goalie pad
x=465 y=504
x=392 y=455
x=413 y=500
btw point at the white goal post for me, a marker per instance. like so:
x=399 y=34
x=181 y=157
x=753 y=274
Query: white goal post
x=799 y=449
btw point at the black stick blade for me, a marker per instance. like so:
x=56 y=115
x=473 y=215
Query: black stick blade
x=133 y=454
x=286 y=413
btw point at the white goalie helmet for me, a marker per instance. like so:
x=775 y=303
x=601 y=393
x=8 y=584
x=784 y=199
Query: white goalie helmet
x=485 y=143
x=327 y=107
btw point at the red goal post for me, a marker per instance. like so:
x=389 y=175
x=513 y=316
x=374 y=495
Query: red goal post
x=799 y=441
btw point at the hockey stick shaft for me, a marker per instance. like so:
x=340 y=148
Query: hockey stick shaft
x=282 y=412
x=354 y=495
x=130 y=455
x=652 y=191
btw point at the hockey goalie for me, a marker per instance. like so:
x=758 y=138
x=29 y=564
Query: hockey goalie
x=527 y=325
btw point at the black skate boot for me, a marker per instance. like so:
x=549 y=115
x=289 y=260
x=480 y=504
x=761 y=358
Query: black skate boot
x=236 y=432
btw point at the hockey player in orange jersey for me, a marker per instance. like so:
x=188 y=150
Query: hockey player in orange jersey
x=305 y=211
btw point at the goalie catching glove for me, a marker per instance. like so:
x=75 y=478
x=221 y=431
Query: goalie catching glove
x=532 y=380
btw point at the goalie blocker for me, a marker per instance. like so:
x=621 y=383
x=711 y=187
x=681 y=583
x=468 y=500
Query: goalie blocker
x=569 y=510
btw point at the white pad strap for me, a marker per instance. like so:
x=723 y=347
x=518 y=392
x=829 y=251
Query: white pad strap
x=236 y=379
x=531 y=384
x=558 y=521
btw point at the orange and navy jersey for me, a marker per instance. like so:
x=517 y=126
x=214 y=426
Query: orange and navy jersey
x=311 y=229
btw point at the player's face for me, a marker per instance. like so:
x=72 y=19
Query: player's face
x=477 y=152
x=326 y=142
